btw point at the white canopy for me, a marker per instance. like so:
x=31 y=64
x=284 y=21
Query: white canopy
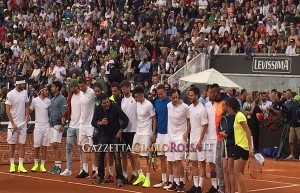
x=210 y=76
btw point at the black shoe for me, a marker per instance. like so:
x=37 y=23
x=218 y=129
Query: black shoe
x=83 y=174
x=212 y=190
x=125 y=180
x=198 y=190
x=181 y=187
x=132 y=179
x=192 y=189
x=173 y=188
x=98 y=181
x=119 y=183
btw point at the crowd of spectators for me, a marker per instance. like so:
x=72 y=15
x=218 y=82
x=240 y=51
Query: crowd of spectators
x=112 y=40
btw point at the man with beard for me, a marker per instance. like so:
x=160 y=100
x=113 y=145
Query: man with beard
x=17 y=110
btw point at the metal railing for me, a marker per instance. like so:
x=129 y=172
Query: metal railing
x=197 y=64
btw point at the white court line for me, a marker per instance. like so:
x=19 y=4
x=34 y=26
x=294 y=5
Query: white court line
x=283 y=176
x=274 y=182
x=273 y=188
x=75 y=183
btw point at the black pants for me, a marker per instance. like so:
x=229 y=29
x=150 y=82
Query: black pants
x=109 y=140
x=255 y=133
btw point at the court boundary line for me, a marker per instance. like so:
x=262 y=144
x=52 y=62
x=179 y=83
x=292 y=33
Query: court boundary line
x=284 y=176
x=74 y=183
x=273 y=188
x=275 y=182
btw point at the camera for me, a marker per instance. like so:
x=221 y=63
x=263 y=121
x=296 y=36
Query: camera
x=290 y=112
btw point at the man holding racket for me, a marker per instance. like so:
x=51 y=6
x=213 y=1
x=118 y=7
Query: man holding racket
x=199 y=124
x=86 y=130
x=145 y=134
x=57 y=109
x=17 y=110
x=41 y=105
x=178 y=124
x=72 y=114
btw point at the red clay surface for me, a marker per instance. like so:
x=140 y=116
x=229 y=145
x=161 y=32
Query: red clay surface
x=278 y=177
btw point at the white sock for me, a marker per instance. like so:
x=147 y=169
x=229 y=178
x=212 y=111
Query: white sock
x=94 y=168
x=201 y=180
x=171 y=178
x=21 y=161
x=148 y=175
x=43 y=162
x=125 y=174
x=164 y=177
x=196 y=181
x=140 y=172
x=182 y=180
x=58 y=163
x=214 y=183
x=12 y=160
x=110 y=170
x=36 y=161
x=134 y=173
x=176 y=180
x=85 y=167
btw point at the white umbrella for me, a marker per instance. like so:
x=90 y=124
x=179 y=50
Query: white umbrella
x=210 y=76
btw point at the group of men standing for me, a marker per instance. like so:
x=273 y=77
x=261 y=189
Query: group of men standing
x=128 y=118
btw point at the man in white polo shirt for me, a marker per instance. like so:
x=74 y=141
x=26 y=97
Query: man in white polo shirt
x=178 y=123
x=17 y=110
x=128 y=106
x=199 y=124
x=87 y=105
x=41 y=129
x=145 y=134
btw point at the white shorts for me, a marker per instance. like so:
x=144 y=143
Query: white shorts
x=162 y=143
x=176 y=150
x=55 y=135
x=41 y=137
x=195 y=154
x=141 y=145
x=17 y=136
x=85 y=136
x=210 y=150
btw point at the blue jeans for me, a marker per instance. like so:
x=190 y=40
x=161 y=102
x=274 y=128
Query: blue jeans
x=72 y=134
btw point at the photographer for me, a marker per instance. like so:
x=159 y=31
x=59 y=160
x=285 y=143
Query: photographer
x=292 y=108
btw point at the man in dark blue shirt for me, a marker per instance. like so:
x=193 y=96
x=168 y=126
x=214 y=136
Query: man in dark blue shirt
x=161 y=112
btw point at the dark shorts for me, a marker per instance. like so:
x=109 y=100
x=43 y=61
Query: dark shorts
x=230 y=152
x=128 y=138
x=240 y=153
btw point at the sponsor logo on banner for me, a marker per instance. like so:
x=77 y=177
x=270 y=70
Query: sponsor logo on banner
x=276 y=65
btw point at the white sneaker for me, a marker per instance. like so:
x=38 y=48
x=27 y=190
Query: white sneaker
x=67 y=172
x=160 y=185
x=167 y=186
x=290 y=158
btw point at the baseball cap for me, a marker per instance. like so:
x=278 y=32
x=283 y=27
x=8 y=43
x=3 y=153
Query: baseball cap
x=297 y=98
x=125 y=22
x=132 y=23
x=73 y=82
x=292 y=41
x=15 y=41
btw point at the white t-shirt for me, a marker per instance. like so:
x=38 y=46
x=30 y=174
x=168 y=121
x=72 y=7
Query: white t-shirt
x=57 y=70
x=145 y=112
x=211 y=114
x=87 y=105
x=177 y=121
x=41 y=107
x=17 y=100
x=198 y=118
x=75 y=111
x=129 y=107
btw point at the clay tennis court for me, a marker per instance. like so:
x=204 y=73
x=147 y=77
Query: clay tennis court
x=278 y=176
